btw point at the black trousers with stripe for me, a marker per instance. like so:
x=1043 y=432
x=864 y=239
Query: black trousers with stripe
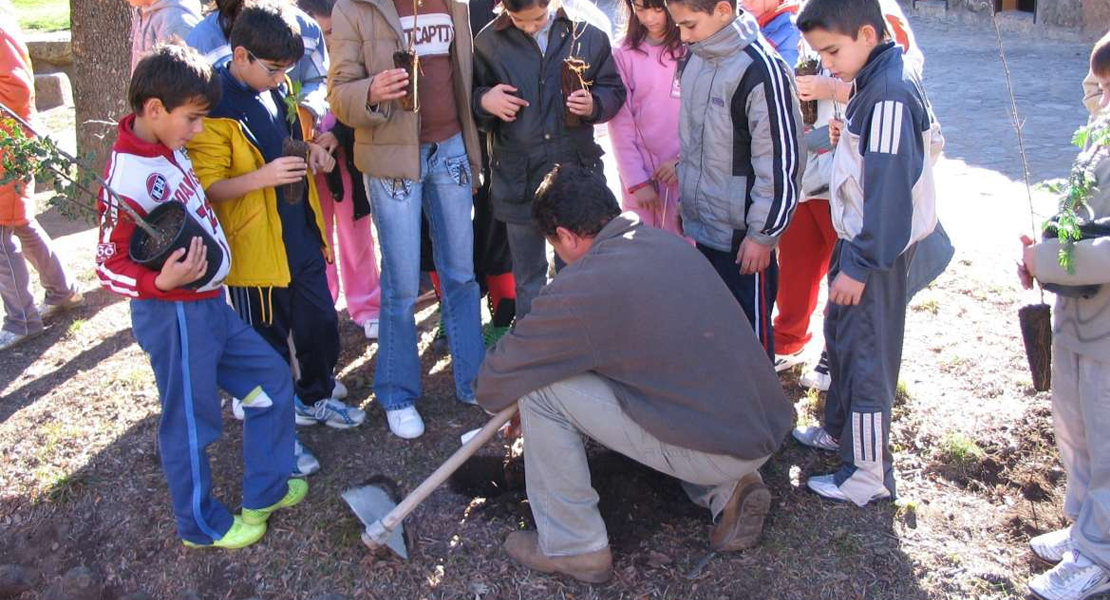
x=755 y=293
x=864 y=344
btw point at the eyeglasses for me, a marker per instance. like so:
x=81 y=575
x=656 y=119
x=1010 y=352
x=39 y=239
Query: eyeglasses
x=270 y=70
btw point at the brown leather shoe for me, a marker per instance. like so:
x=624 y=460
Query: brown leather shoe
x=591 y=567
x=741 y=521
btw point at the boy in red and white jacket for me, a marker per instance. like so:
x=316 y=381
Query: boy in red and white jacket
x=196 y=343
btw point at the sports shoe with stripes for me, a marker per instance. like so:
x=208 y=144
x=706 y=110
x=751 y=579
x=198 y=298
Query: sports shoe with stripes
x=825 y=486
x=330 y=412
x=816 y=437
x=1075 y=578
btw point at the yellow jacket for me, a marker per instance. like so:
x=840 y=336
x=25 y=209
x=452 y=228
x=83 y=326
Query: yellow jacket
x=252 y=224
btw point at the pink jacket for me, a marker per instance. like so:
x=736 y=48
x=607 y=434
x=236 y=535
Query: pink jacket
x=645 y=131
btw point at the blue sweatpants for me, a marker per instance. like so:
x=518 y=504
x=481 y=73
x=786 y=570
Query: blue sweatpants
x=196 y=348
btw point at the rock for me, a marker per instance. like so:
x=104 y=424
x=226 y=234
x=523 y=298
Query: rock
x=79 y=583
x=54 y=48
x=13 y=581
x=52 y=90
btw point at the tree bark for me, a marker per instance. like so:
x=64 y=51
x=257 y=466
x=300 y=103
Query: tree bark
x=101 y=32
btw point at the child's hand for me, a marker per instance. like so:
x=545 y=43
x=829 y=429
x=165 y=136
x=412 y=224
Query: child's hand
x=815 y=87
x=327 y=141
x=1025 y=267
x=320 y=159
x=835 y=127
x=647 y=199
x=667 y=173
x=845 y=290
x=182 y=268
x=501 y=103
x=581 y=103
x=388 y=85
x=281 y=171
x=753 y=257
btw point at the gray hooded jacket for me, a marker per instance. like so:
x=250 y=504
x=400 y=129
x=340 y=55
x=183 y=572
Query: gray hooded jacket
x=742 y=148
x=159 y=22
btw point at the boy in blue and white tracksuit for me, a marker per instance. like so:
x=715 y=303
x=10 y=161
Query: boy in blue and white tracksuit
x=883 y=202
x=311 y=71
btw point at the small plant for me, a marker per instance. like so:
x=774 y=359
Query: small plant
x=960 y=456
x=1080 y=185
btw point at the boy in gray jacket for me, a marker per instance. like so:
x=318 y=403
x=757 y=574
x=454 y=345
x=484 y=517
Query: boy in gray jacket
x=882 y=203
x=1080 y=375
x=742 y=153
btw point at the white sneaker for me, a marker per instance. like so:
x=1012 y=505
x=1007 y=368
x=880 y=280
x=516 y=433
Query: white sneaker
x=1052 y=546
x=237 y=409
x=816 y=437
x=370 y=328
x=339 y=391
x=825 y=486
x=1075 y=578
x=330 y=412
x=304 y=462
x=48 y=311
x=9 y=339
x=405 y=423
x=818 y=378
x=784 y=362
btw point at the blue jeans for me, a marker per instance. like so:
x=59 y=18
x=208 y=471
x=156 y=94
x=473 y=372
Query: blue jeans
x=444 y=194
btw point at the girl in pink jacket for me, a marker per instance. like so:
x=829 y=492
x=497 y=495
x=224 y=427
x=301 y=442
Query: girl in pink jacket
x=645 y=131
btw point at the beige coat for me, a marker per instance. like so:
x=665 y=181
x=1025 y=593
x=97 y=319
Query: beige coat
x=365 y=34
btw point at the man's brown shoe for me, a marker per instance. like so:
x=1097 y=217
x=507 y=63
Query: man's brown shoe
x=591 y=567
x=741 y=521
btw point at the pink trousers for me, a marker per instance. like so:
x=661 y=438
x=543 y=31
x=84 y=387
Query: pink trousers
x=358 y=264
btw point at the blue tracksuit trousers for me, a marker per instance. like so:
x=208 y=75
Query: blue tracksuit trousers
x=196 y=348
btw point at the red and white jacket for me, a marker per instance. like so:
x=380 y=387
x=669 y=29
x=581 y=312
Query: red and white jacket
x=147 y=175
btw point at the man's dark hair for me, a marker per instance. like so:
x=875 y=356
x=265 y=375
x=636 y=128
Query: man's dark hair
x=519 y=5
x=705 y=6
x=268 y=32
x=845 y=17
x=176 y=75
x=574 y=198
x=316 y=8
x=1100 y=57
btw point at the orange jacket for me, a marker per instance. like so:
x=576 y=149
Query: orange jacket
x=17 y=92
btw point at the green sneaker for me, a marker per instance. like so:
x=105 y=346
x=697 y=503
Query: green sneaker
x=298 y=489
x=492 y=333
x=240 y=535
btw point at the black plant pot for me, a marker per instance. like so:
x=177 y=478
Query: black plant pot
x=1036 y=332
x=178 y=228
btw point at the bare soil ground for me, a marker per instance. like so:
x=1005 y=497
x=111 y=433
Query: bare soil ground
x=978 y=473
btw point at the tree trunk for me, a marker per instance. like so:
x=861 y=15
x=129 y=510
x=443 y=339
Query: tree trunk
x=101 y=32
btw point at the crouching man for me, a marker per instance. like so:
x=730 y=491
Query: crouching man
x=639 y=345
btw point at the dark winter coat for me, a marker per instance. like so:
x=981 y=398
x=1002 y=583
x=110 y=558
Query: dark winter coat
x=523 y=151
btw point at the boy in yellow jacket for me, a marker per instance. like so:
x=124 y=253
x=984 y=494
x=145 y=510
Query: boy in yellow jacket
x=278 y=283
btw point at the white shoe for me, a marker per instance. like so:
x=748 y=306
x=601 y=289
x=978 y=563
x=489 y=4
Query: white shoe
x=784 y=362
x=1075 y=578
x=339 y=391
x=1052 y=546
x=48 y=311
x=405 y=423
x=304 y=462
x=237 y=409
x=816 y=437
x=818 y=378
x=825 y=486
x=9 y=339
x=370 y=328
